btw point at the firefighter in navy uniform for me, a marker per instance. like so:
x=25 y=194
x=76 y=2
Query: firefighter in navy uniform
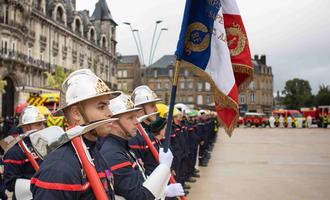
x=130 y=180
x=144 y=98
x=16 y=165
x=84 y=98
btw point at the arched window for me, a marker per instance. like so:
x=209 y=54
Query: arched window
x=92 y=35
x=104 y=42
x=77 y=26
x=59 y=15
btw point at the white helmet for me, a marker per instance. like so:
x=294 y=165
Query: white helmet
x=182 y=108
x=31 y=115
x=82 y=85
x=122 y=104
x=142 y=95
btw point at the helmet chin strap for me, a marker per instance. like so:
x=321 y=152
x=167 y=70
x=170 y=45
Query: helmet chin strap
x=124 y=129
x=86 y=120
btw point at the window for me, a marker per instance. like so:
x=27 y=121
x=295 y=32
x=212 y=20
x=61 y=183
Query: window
x=251 y=97
x=155 y=73
x=190 y=85
x=199 y=99
x=190 y=99
x=251 y=85
x=14 y=46
x=207 y=99
x=125 y=73
x=77 y=26
x=199 y=86
x=4 y=46
x=166 y=85
x=60 y=15
x=5 y=13
x=242 y=99
x=207 y=86
x=124 y=86
x=104 y=42
x=120 y=74
x=119 y=86
x=170 y=72
x=92 y=35
x=181 y=85
x=158 y=86
x=186 y=73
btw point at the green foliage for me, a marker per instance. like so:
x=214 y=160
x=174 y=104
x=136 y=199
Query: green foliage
x=297 y=94
x=323 y=95
x=3 y=84
x=56 y=79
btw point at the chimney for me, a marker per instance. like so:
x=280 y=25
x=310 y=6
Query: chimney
x=87 y=12
x=256 y=57
x=263 y=59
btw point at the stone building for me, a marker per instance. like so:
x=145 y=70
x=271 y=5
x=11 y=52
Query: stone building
x=129 y=73
x=191 y=89
x=37 y=35
x=258 y=96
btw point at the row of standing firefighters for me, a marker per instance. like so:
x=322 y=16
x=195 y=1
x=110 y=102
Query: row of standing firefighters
x=120 y=148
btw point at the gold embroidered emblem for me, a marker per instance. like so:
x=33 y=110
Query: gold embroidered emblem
x=101 y=87
x=236 y=39
x=154 y=95
x=129 y=104
x=195 y=41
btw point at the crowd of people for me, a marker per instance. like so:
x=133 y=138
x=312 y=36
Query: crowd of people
x=126 y=150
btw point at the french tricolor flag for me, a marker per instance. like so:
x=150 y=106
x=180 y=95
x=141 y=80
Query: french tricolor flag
x=214 y=43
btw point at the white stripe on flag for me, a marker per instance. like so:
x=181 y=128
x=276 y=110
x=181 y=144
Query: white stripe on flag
x=230 y=7
x=219 y=66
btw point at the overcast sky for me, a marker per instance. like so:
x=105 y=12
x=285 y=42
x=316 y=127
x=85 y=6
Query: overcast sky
x=293 y=34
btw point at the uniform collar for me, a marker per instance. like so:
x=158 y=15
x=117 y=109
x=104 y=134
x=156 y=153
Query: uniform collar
x=119 y=140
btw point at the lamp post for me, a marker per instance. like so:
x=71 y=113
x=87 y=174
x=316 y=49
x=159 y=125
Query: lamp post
x=137 y=46
x=153 y=52
x=153 y=38
x=141 y=50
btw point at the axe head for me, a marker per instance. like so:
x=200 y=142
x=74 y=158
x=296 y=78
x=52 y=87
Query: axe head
x=144 y=117
x=10 y=141
x=51 y=138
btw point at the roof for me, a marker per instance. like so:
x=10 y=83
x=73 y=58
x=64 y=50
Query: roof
x=164 y=61
x=128 y=59
x=101 y=11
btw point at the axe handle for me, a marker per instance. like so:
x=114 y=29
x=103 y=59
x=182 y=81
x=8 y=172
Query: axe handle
x=154 y=151
x=89 y=168
x=28 y=154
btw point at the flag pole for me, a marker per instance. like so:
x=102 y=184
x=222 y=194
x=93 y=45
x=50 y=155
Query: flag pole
x=154 y=152
x=171 y=107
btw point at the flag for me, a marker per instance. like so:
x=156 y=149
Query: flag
x=237 y=43
x=203 y=46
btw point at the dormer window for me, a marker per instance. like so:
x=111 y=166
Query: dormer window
x=77 y=27
x=60 y=15
x=104 y=42
x=92 y=35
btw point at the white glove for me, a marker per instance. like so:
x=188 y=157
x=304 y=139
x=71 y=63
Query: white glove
x=165 y=158
x=174 y=190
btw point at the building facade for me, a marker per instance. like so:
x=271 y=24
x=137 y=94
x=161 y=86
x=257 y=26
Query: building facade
x=129 y=73
x=258 y=95
x=38 y=35
x=191 y=89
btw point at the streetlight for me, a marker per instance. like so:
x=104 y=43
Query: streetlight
x=141 y=50
x=153 y=38
x=153 y=52
x=137 y=46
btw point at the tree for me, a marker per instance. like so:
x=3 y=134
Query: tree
x=3 y=84
x=55 y=80
x=323 y=95
x=297 y=93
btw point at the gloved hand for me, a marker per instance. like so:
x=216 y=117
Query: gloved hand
x=165 y=158
x=174 y=190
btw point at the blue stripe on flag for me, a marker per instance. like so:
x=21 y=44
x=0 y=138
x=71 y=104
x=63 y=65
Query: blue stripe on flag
x=196 y=31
